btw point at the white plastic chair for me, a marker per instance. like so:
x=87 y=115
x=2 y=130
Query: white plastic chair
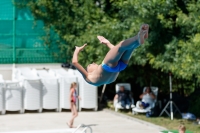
x=88 y=94
x=71 y=71
x=50 y=92
x=32 y=95
x=42 y=73
x=137 y=109
x=117 y=104
x=61 y=72
x=1 y=77
x=77 y=73
x=32 y=88
x=24 y=71
x=13 y=96
x=2 y=103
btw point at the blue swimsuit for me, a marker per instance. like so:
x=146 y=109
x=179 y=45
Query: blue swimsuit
x=120 y=66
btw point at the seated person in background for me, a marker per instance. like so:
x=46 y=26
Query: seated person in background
x=123 y=97
x=147 y=98
x=182 y=129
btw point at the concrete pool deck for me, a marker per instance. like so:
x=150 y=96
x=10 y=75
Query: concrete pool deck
x=105 y=122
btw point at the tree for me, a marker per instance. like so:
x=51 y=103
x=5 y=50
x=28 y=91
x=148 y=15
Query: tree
x=78 y=22
x=171 y=47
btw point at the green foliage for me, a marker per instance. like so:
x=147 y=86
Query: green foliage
x=181 y=53
x=78 y=22
x=172 y=46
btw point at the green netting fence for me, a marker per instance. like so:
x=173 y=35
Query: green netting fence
x=20 y=37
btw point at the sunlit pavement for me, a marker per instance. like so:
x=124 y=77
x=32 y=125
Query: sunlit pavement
x=105 y=122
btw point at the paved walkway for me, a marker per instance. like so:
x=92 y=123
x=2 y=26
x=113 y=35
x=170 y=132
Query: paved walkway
x=105 y=121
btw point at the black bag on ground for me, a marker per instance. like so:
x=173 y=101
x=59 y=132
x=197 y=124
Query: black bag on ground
x=68 y=65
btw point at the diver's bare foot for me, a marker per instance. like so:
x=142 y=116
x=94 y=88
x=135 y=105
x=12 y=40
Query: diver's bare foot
x=69 y=125
x=143 y=33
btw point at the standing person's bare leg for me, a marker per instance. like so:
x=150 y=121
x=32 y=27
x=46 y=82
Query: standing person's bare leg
x=70 y=123
x=115 y=54
x=75 y=115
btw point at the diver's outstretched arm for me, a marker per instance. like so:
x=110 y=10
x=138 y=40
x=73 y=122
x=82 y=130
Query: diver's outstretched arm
x=105 y=41
x=75 y=61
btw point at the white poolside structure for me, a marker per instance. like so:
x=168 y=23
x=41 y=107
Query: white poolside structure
x=13 y=97
x=50 y=90
x=2 y=108
x=42 y=86
x=65 y=80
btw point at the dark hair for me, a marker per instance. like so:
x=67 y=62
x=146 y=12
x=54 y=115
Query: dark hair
x=122 y=86
x=149 y=89
x=182 y=127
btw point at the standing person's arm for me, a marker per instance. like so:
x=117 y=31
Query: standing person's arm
x=75 y=61
x=77 y=96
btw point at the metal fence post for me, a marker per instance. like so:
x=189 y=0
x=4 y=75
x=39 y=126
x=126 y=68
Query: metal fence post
x=14 y=34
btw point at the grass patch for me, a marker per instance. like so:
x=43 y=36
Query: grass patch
x=163 y=121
